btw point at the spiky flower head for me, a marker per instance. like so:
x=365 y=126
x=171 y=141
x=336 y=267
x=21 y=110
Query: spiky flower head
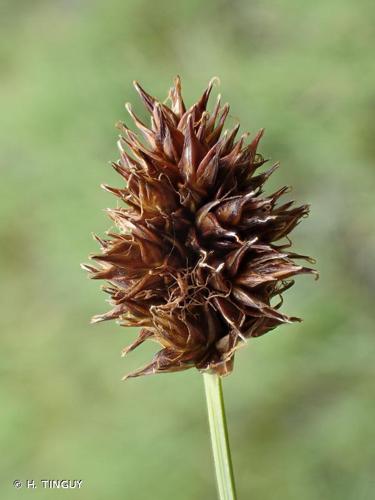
x=194 y=260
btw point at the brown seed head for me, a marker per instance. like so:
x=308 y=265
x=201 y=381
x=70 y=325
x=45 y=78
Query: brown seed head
x=194 y=261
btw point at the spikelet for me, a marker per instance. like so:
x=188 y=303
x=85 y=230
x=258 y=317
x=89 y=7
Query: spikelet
x=200 y=250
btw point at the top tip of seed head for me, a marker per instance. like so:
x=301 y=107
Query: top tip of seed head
x=214 y=80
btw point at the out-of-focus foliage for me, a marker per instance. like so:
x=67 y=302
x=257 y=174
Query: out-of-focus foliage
x=300 y=401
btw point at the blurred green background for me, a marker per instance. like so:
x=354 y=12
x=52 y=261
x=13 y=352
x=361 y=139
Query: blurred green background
x=301 y=400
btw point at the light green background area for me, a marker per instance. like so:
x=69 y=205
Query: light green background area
x=300 y=401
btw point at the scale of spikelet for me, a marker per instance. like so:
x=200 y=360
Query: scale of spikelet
x=193 y=261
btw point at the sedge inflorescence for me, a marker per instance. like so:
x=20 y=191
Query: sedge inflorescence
x=199 y=250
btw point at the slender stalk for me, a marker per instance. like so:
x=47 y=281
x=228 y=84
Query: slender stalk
x=219 y=436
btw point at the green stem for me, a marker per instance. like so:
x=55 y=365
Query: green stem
x=219 y=436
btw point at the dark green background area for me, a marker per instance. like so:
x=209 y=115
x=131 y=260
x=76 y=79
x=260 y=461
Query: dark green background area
x=300 y=401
